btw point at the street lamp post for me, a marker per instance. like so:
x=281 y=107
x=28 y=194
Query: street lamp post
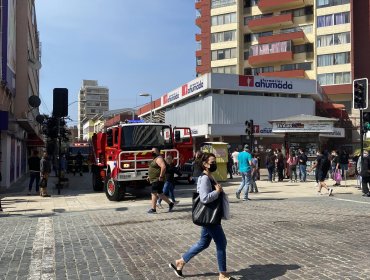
x=151 y=103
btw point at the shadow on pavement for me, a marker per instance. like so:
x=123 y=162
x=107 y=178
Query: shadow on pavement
x=265 y=272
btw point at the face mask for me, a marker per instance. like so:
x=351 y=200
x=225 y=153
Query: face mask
x=212 y=167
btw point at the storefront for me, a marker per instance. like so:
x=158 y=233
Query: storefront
x=306 y=132
x=216 y=106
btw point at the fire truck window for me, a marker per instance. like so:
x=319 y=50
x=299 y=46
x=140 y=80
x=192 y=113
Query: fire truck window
x=177 y=136
x=115 y=133
x=145 y=137
x=110 y=138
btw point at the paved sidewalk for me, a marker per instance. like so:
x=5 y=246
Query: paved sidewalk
x=79 y=196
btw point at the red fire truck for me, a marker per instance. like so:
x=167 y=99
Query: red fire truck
x=123 y=153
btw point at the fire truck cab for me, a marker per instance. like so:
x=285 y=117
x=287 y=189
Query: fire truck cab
x=123 y=153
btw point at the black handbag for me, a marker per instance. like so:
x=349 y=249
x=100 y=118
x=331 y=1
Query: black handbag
x=207 y=214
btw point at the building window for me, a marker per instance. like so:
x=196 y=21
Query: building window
x=328 y=3
x=224 y=54
x=305 y=28
x=296 y=66
x=333 y=19
x=250 y=3
x=255 y=36
x=224 y=36
x=334 y=78
x=248 y=18
x=333 y=59
x=199 y=61
x=303 y=48
x=222 y=3
x=223 y=19
x=276 y=47
x=334 y=39
x=266 y=69
x=305 y=11
x=225 y=69
x=246 y=55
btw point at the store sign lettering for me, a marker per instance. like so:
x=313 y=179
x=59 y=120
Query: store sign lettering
x=193 y=87
x=290 y=125
x=169 y=97
x=249 y=81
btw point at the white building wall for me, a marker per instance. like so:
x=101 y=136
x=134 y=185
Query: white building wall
x=225 y=114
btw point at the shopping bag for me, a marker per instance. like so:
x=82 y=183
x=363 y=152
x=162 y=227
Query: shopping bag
x=337 y=176
x=209 y=213
x=225 y=207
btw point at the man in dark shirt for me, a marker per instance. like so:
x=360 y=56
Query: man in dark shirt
x=302 y=162
x=34 y=167
x=322 y=166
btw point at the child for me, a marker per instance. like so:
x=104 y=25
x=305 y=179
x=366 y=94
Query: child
x=169 y=185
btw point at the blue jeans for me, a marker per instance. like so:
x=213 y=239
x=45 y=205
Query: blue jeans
x=246 y=181
x=168 y=190
x=302 y=172
x=34 y=176
x=271 y=170
x=207 y=234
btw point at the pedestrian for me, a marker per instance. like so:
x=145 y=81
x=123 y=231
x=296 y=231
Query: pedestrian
x=270 y=165
x=322 y=166
x=169 y=185
x=363 y=168
x=302 y=162
x=292 y=166
x=209 y=190
x=343 y=162
x=280 y=165
x=156 y=176
x=357 y=174
x=254 y=174
x=230 y=164
x=245 y=163
x=335 y=167
x=45 y=169
x=197 y=166
x=235 y=155
x=34 y=167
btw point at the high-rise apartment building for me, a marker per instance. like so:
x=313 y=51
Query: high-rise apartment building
x=93 y=99
x=326 y=40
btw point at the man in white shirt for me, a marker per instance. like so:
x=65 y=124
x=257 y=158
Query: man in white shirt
x=235 y=155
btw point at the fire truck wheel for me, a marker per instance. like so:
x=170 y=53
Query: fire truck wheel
x=98 y=185
x=114 y=190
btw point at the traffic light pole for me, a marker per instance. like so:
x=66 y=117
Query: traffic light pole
x=59 y=184
x=361 y=132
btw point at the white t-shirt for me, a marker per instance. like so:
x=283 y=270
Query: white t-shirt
x=235 y=156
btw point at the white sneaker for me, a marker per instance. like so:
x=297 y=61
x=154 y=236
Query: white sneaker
x=176 y=202
x=330 y=192
x=159 y=206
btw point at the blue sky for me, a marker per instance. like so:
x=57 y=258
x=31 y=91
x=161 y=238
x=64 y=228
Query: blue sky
x=128 y=46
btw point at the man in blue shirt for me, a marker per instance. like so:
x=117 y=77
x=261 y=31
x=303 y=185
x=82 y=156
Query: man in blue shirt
x=245 y=163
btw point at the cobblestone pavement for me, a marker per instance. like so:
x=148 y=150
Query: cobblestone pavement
x=273 y=236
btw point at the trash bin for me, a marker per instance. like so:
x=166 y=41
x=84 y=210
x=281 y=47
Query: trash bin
x=220 y=150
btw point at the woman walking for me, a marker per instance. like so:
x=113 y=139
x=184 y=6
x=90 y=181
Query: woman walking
x=209 y=190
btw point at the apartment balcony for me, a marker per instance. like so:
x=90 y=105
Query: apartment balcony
x=198 y=53
x=267 y=54
x=198 y=22
x=272 y=22
x=198 y=37
x=297 y=37
x=285 y=74
x=198 y=5
x=277 y=5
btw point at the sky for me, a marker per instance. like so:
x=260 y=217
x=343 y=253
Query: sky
x=132 y=47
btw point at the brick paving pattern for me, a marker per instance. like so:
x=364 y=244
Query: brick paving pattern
x=270 y=237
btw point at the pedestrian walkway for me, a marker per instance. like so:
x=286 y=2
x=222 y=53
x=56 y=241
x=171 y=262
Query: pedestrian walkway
x=79 y=196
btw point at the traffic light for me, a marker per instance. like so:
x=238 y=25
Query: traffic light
x=366 y=121
x=249 y=127
x=360 y=92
